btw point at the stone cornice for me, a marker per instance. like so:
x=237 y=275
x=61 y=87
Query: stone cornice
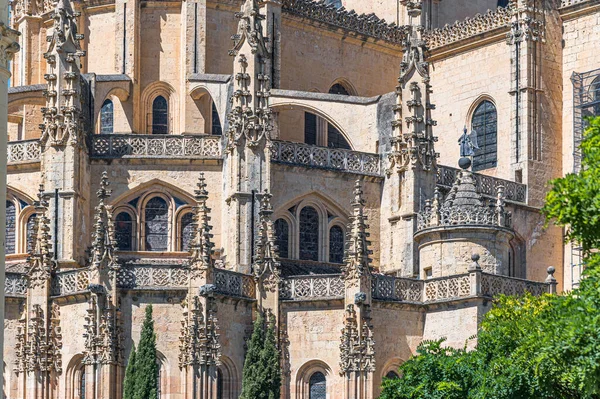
x=571 y=9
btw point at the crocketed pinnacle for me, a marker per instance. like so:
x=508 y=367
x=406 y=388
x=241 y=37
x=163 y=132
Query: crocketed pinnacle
x=202 y=245
x=357 y=258
x=266 y=259
x=104 y=243
x=40 y=263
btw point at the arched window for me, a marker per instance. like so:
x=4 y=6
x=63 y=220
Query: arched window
x=335 y=139
x=219 y=384
x=156 y=226
x=485 y=123
x=160 y=116
x=392 y=375
x=317 y=386
x=124 y=231
x=338 y=88
x=216 y=122
x=107 y=117
x=186 y=234
x=336 y=245
x=282 y=237
x=29 y=232
x=11 y=215
x=309 y=234
x=82 y=383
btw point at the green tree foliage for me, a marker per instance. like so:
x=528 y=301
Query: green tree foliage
x=146 y=367
x=529 y=347
x=261 y=377
x=129 y=382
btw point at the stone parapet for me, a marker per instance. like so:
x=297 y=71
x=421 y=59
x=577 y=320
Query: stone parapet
x=26 y=151
x=155 y=146
x=318 y=287
x=15 y=285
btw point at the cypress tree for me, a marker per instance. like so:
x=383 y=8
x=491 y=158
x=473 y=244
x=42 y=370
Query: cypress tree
x=270 y=362
x=129 y=383
x=146 y=368
x=252 y=375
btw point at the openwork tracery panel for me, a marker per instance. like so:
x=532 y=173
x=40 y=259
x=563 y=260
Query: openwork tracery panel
x=70 y=282
x=155 y=146
x=234 y=284
x=15 y=284
x=312 y=287
x=23 y=151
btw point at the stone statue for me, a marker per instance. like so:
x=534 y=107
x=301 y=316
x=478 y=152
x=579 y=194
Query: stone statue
x=468 y=143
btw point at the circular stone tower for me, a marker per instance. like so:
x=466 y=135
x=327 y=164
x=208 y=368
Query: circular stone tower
x=451 y=230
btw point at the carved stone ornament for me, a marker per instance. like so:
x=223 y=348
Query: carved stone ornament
x=202 y=246
x=62 y=121
x=103 y=338
x=357 y=260
x=267 y=269
x=104 y=244
x=199 y=338
x=357 y=347
x=8 y=44
x=40 y=262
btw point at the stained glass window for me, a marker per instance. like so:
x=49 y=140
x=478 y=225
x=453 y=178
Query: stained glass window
x=216 y=122
x=157 y=225
x=124 y=231
x=317 y=386
x=29 y=232
x=336 y=245
x=160 y=116
x=82 y=383
x=186 y=234
x=335 y=139
x=11 y=215
x=338 y=89
x=309 y=234
x=485 y=123
x=282 y=237
x=310 y=128
x=107 y=117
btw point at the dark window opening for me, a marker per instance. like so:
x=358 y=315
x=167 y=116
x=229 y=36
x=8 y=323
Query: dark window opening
x=157 y=225
x=502 y=3
x=82 y=383
x=339 y=89
x=219 y=384
x=124 y=231
x=335 y=139
x=336 y=245
x=392 y=375
x=216 y=122
x=317 y=386
x=309 y=234
x=107 y=117
x=485 y=123
x=29 y=232
x=187 y=232
x=160 y=116
x=310 y=128
x=282 y=237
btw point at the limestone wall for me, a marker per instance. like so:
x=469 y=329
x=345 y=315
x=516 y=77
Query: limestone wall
x=12 y=313
x=99 y=43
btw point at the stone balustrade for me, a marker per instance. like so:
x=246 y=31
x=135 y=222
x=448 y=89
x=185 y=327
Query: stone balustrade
x=15 y=284
x=156 y=146
x=568 y=3
x=234 y=284
x=486 y=185
x=26 y=151
x=389 y=288
x=70 y=282
x=325 y=158
x=314 y=287
x=152 y=277
x=493 y=285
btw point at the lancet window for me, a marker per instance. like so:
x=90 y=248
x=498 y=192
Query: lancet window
x=282 y=237
x=160 y=116
x=336 y=244
x=107 y=117
x=485 y=123
x=216 y=121
x=309 y=234
x=186 y=233
x=29 y=232
x=317 y=386
x=124 y=231
x=20 y=221
x=156 y=224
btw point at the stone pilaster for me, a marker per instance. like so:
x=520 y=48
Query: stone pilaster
x=412 y=163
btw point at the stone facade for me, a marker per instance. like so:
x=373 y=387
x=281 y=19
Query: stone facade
x=305 y=169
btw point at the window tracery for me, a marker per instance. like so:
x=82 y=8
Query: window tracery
x=317 y=386
x=485 y=123
x=107 y=117
x=336 y=244
x=156 y=214
x=160 y=115
x=282 y=237
x=309 y=234
x=124 y=231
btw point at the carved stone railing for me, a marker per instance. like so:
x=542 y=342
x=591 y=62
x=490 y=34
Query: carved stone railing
x=390 y=288
x=15 y=284
x=315 y=287
x=369 y=25
x=70 y=282
x=445 y=288
x=486 y=185
x=493 y=285
x=568 y=3
x=470 y=27
x=325 y=158
x=23 y=151
x=234 y=284
x=152 y=277
x=155 y=146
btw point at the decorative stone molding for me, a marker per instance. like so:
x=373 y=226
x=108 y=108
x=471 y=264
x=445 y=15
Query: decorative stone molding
x=155 y=146
x=199 y=340
x=103 y=338
x=369 y=25
x=152 y=277
x=41 y=264
x=8 y=45
x=201 y=248
x=104 y=244
x=70 y=282
x=27 y=151
x=234 y=284
x=389 y=288
x=32 y=7
x=318 y=287
x=325 y=158
x=357 y=347
x=15 y=284
x=267 y=269
x=568 y=3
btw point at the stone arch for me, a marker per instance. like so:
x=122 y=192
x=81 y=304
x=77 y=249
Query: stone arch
x=296 y=111
x=23 y=208
x=485 y=107
x=302 y=380
x=150 y=93
x=119 y=230
x=202 y=110
x=231 y=380
x=74 y=375
x=121 y=117
x=25 y=116
x=478 y=100
x=391 y=365
x=180 y=213
x=346 y=84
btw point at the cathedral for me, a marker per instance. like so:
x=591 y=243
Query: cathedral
x=370 y=173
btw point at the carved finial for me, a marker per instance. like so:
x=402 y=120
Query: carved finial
x=266 y=259
x=357 y=260
x=40 y=260
x=104 y=244
x=202 y=245
x=550 y=279
x=475 y=265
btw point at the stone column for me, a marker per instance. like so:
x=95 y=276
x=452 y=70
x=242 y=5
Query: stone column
x=8 y=46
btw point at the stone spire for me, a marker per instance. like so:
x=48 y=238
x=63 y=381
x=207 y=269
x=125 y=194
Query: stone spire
x=104 y=244
x=266 y=260
x=202 y=245
x=41 y=264
x=413 y=141
x=357 y=260
x=62 y=113
x=250 y=116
